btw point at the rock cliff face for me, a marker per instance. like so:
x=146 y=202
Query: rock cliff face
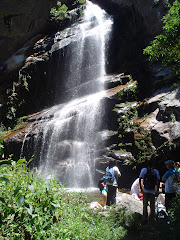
x=135 y=25
x=24 y=22
x=19 y=22
x=149 y=12
x=135 y=129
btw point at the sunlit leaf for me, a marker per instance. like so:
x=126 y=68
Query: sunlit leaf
x=31 y=187
x=30 y=209
x=35 y=203
x=54 y=204
x=20 y=161
x=20 y=201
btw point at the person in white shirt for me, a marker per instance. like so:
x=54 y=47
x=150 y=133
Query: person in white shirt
x=135 y=190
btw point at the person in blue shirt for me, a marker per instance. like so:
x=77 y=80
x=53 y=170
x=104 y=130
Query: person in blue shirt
x=170 y=178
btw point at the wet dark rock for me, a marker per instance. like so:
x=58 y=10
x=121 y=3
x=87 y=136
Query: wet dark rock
x=120 y=79
x=170 y=105
x=20 y=21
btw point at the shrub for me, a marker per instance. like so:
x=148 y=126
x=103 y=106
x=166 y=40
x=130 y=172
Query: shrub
x=60 y=12
x=33 y=208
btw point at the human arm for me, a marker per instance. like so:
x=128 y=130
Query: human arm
x=117 y=172
x=166 y=175
x=140 y=184
x=141 y=177
x=157 y=182
x=157 y=187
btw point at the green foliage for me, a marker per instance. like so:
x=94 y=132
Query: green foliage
x=144 y=146
x=18 y=123
x=166 y=46
x=11 y=114
x=173 y=117
x=80 y=1
x=60 y=12
x=32 y=208
x=165 y=2
x=126 y=121
x=175 y=218
x=130 y=93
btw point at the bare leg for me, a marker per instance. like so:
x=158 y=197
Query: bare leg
x=104 y=198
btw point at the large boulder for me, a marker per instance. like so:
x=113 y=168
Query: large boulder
x=128 y=201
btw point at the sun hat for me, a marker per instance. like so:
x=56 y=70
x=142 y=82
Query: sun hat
x=170 y=162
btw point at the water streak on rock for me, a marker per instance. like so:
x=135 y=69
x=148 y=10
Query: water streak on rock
x=67 y=142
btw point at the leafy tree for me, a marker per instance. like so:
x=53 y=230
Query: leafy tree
x=166 y=46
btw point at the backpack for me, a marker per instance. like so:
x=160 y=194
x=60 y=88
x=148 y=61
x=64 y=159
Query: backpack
x=150 y=179
x=109 y=175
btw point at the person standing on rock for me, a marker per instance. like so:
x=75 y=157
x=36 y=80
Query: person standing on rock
x=170 y=178
x=111 y=180
x=149 y=180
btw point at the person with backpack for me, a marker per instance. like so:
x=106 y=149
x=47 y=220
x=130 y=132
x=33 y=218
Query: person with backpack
x=170 y=178
x=149 y=180
x=111 y=180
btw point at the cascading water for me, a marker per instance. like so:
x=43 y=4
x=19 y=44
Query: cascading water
x=70 y=139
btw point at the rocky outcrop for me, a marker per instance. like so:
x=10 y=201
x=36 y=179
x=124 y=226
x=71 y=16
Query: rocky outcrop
x=136 y=23
x=133 y=27
x=131 y=133
x=27 y=80
x=21 y=21
x=150 y=12
x=164 y=120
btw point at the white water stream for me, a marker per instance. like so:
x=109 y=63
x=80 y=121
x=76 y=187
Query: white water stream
x=70 y=138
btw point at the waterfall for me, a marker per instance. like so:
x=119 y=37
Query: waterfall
x=67 y=143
